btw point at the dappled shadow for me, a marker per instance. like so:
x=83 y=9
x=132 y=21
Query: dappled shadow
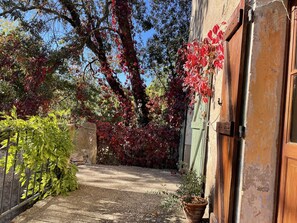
x=199 y=9
x=211 y=199
x=110 y=194
x=92 y=204
x=136 y=179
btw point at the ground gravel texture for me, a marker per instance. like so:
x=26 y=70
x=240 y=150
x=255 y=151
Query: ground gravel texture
x=110 y=194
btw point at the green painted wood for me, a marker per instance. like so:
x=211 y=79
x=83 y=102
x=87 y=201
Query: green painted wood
x=181 y=147
x=198 y=145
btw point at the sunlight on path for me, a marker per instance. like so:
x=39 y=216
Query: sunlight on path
x=109 y=194
x=125 y=178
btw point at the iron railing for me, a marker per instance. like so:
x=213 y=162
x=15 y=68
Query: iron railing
x=14 y=196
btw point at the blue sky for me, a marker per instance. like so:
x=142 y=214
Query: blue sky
x=142 y=37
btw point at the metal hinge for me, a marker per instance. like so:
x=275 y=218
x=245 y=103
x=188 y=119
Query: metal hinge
x=241 y=132
x=225 y=128
x=251 y=16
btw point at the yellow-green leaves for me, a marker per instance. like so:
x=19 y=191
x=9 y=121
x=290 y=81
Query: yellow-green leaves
x=39 y=144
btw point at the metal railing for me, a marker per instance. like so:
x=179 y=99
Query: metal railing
x=14 y=196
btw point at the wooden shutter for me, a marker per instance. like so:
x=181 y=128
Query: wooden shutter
x=198 y=144
x=228 y=137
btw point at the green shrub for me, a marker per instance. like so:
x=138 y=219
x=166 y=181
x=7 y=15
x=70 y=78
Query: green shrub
x=41 y=143
x=191 y=185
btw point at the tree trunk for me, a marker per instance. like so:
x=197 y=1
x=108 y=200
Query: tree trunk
x=123 y=13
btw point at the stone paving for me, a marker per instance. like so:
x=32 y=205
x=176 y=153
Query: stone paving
x=109 y=194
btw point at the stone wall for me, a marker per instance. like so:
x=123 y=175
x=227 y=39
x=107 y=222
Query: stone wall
x=85 y=142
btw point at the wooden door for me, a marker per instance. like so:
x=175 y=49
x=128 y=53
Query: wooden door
x=287 y=210
x=228 y=137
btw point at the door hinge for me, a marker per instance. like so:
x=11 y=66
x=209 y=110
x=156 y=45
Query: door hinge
x=241 y=132
x=225 y=128
x=250 y=15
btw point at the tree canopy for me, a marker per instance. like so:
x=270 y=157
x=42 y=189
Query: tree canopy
x=97 y=25
x=108 y=29
x=89 y=46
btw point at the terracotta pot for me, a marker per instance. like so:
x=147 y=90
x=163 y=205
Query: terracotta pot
x=194 y=211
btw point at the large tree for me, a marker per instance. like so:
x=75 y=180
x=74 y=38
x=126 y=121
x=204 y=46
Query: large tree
x=108 y=28
x=98 y=25
x=29 y=73
x=171 y=20
x=102 y=37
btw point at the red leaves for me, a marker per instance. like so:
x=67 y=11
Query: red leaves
x=203 y=59
x=139 y=146
x=128 y=60
x=218 y=64
x=215 y=35
x=209 y=35
x=221 y=35
x=215 y=29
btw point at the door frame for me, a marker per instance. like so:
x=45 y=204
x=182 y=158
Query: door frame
x=284 y=107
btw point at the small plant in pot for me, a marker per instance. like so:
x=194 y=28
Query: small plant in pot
x=189 y=196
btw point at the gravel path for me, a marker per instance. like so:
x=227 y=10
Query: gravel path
x=109 y=194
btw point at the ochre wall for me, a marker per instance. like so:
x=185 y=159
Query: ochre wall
x=265 y=72
x=263 y=118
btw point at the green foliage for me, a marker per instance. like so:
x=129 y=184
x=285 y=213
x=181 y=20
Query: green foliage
x=7 y=94
x=170 y=201
x=107 y=59
x=191 y=185
x=171 y=20
x=94 y=103
x=157 y=87
x=157 y=101
x=32 y=77
x=45 y=146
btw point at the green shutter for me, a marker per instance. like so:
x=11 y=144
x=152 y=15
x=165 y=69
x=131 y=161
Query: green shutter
x=198 y=145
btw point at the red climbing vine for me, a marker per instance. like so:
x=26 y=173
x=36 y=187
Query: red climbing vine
x=203 y=60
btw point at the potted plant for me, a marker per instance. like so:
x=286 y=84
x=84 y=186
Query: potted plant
x=188 y=195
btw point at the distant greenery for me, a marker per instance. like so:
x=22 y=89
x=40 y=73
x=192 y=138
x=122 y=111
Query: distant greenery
x=170 y=20
x=32 y=76
x=44 y=143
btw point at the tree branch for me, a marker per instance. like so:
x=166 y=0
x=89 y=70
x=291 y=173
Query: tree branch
x=90 y=65
x=34 y=7
x=105 y=13
x=74 y=14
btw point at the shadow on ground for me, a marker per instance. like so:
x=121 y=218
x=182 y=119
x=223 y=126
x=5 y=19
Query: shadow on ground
x=109 y=194
x=107 y=206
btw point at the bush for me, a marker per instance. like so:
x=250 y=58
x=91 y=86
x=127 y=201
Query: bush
x=43 y=143
x=148 y=146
